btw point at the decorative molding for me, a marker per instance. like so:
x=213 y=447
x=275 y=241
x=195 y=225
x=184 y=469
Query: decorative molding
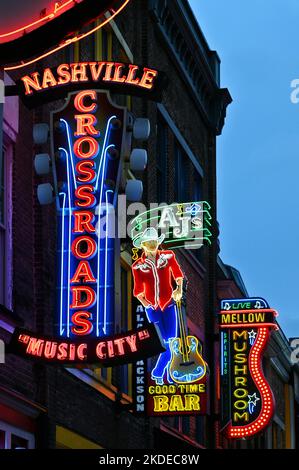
x=196 y=62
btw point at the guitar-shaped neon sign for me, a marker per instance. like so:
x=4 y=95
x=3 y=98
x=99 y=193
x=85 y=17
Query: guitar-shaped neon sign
x=187 y=364
x=87 y=142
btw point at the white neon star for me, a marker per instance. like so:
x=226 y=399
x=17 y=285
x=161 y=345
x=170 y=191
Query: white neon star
x=253 y=399
x=252 y=335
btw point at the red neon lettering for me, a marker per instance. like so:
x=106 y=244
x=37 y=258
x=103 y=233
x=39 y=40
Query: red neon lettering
x=120 y=345
x=72 y=353
x=84 y=222
x=96 y=69
x=82 y=351
x=85 y=125
x=35 y=347
x=84 y=193
x=64 y=74
x=77 y=293
x=118 y=77
x=90 y=247
x=83 y=274
x=131 y=79
x=110 y=349
x=86 y=172
x=62 y=352
x=108 y=73
x=79 y=72
x=48 y=79
x=79 y=101
x=92 y=149
x=99 y=351
x=31 y=83
x=148 y=78
x=82 y=324
x=131 y=340
x=50 y=349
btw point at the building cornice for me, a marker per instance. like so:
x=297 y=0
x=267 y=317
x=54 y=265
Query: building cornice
x=197 y=64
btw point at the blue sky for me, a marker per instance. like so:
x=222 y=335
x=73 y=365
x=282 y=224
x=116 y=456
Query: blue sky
x=258 y=153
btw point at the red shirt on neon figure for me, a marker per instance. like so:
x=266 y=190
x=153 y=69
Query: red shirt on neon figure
x=153 y=277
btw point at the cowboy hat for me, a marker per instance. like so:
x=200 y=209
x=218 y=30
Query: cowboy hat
x=150 y=234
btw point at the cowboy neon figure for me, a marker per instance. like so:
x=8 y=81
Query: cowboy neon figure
x=154 y=274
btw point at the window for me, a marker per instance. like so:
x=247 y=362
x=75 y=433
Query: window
x=5 y=224
x=197 y=191
x=186 y=425
x=200 y=429
x=182 y=176
x=162 y=154
x=14 y=438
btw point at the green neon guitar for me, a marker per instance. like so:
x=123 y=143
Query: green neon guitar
x=187 y=364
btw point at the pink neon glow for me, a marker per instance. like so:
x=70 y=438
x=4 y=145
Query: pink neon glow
x=56 y=9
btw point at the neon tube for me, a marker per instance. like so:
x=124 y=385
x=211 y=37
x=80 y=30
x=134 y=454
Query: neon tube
x=70 y=150
x=70 y=41
x=50 y=16
x=62 y=265
x=106 y=262
x=70 y=240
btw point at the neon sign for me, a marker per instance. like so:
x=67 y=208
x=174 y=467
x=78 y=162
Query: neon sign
x=186 y=225
x=177 y=382
x=56 y=83
x=247 y=399
x=87 y=142
x=107 y=352
x=56 y=21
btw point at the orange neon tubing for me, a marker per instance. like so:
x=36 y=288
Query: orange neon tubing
x=50 y=16
x=70 y=41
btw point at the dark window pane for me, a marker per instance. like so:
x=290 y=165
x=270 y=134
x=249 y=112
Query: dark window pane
x=197 y=188
x=186 y=425
x=18 y=442
x=182 y=166
x=162 y=154
x=200 y=429
x=2 y=440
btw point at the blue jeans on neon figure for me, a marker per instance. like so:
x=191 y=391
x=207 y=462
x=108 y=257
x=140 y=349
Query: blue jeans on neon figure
x=166 y=320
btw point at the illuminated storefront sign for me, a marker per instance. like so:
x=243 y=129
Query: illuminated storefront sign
x=247 y=399
x=31 y=32
x=89 y=136
x=87 y=141
x=107 y=352
x=176 y=383
x=55 y=83
x=186 y=225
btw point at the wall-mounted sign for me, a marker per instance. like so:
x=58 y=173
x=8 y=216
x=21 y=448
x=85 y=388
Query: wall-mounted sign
x=140 y=368
x=87 y=143
x=247 y=399
x=55 y=83
x=107 y=352
x=41 y=27
x=176 y=384
x=186 y=225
